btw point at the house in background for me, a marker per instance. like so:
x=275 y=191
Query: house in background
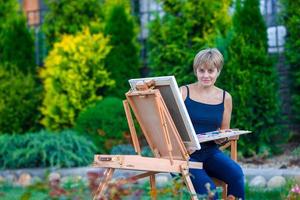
x=34 y=11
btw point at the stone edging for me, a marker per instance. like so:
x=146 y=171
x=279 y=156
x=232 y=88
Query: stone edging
x=270 y=172
x=257 y=177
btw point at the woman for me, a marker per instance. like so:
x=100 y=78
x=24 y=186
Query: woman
x=210 y=108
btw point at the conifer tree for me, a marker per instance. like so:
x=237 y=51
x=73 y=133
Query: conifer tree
x=185 y=28
x=19 y=92
x=123 y=59
x=16 y=41
x=292 y=51
x=251 y=78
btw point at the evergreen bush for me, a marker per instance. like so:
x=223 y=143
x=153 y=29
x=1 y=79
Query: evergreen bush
x=45 y=149
x=123 y=60
x=20 y=97
x=105 y=122
x=74 y=77
x=291 y=17
x=69 y=17
x=128 y=149
x=16 y=40
x=251 y=78
x=123 y=149
x=185 y=28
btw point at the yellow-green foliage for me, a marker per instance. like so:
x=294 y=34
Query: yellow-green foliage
x=73 y=77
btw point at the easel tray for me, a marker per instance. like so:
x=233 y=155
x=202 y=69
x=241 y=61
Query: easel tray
x=214 y=135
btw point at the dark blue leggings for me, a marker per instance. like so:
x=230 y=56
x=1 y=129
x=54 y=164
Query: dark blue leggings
x=217 y=164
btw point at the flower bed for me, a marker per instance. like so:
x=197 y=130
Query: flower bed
x=78 y=187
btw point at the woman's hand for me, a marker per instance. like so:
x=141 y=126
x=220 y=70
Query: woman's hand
x=221 y=141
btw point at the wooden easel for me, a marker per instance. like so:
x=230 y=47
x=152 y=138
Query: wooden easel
x=170 y=154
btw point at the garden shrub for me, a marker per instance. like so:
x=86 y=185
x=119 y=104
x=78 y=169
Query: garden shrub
x=128 y=149
x=185 y=28
x=20 y=97
x=16 y=40
x=74 y=77
x=123 y=59
x=291 y=17
x=251 y=78
x=105 y=122
x=123 y=149
x=45 y=149
x=69 y=17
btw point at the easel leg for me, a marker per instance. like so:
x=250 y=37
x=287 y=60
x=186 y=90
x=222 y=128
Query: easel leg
x=153 y=187
x=233 y=150
x=188 y=182
x=107 y=176
x=224 y=193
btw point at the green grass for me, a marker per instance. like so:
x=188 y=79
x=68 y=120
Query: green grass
x=259 y=194
x=9 y=192
x=272 y=194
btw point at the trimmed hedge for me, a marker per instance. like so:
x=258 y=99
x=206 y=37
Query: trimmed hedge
x=45 y=149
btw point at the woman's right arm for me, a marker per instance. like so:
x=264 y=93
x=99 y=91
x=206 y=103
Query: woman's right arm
x=183 y=91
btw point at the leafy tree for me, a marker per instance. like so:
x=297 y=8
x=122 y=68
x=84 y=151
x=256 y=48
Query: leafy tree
x=186 y=27
x=292 y=50
x=74 y=77
x=19 y=100
x=69 y=17
x=123 y=60
x=251 y=78
x=16 y=41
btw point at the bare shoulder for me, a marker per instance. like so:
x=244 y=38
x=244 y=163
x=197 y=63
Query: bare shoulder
x=183 y=91
x=228 y=97
x=228 y=101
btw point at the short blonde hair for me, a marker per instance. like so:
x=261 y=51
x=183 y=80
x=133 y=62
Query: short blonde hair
x=211 y=57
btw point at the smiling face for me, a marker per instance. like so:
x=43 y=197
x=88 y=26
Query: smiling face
x=207 y=75
x=207 y=66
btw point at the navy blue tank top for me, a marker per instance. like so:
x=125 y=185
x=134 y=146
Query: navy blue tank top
x=204 y=117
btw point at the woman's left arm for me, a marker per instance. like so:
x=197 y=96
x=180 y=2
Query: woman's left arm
x=226 y=117
x=227 y=112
